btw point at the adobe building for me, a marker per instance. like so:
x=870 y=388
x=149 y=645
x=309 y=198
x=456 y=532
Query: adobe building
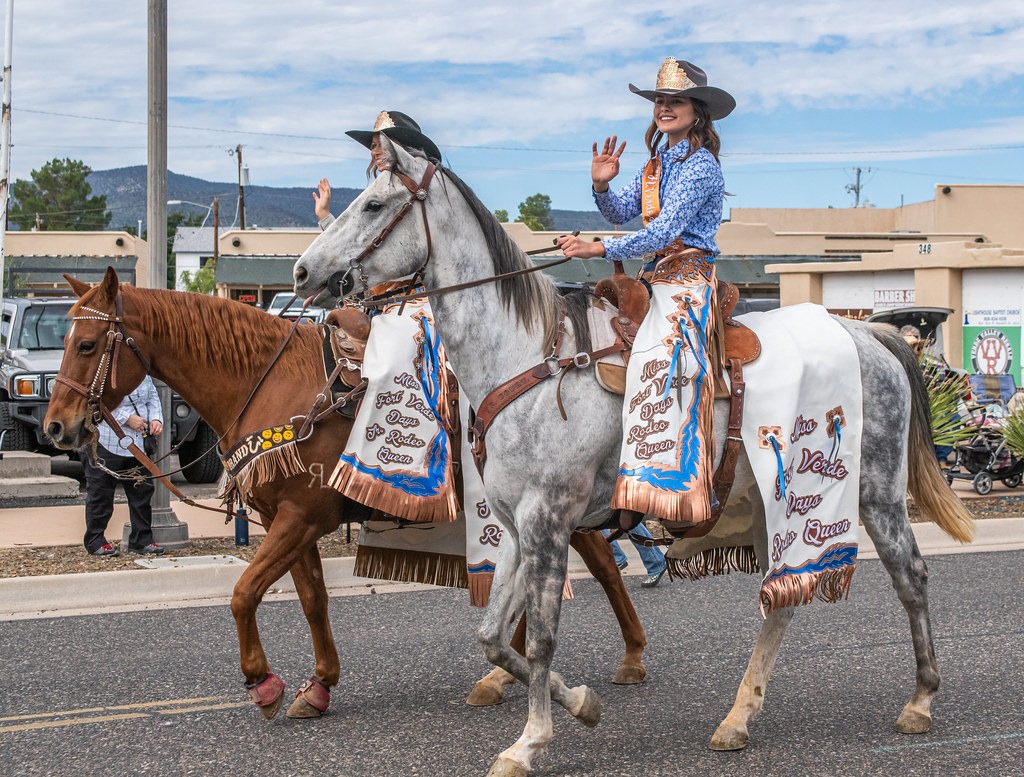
x=983 y=284
x=35 y=262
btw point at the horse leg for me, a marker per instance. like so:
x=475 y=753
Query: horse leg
x=313 y=698
x=898 y=552
x=288 y=537
x=731 y=733
x=597 y=555
x=490 y=690
x=542 y=571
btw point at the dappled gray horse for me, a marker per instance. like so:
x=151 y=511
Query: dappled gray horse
x=546 y=478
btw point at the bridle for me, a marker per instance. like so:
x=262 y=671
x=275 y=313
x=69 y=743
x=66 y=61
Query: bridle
x=340 y=283
x=107 y=366
x=417 y=193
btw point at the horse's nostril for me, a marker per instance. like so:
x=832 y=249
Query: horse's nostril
x=55 y=429
x=300 y=275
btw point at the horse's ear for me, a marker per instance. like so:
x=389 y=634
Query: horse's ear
x=109 y=286
x=389 y=151
x=77 y=286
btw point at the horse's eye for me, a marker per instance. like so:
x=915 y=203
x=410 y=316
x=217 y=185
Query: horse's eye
x=374 y=205
x=85 y=347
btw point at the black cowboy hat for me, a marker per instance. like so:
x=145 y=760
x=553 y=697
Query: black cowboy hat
x=400 y=128
x=678 y=78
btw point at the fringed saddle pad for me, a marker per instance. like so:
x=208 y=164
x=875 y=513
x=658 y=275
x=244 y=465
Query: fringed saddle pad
x=399 y=461
x=260 y=457
x=802 y=433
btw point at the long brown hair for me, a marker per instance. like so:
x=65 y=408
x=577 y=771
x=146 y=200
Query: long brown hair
x=701 y=135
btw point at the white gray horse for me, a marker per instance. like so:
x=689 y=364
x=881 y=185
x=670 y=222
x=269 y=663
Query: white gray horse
x=546 y=477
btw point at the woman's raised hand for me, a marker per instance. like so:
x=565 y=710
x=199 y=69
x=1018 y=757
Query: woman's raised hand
x=605 y=165
x=322 y=199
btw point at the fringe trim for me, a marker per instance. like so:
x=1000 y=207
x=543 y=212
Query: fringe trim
x=714 y=561
x=412 y=566
x=829 y=585
x=480 y=588
x=369 y=491
x=275 y=464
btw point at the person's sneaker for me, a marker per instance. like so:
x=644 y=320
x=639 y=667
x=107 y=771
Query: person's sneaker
x=152 y=549
x=105 y=549
x=622 y=564
x=652 y=580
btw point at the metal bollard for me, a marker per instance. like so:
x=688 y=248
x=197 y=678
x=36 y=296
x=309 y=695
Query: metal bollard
x=241 y=528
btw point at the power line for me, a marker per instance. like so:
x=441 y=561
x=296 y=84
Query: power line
x=532 y=149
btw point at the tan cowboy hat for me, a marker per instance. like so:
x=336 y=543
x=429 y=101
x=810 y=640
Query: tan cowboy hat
x=401 y=128
x=683 y=79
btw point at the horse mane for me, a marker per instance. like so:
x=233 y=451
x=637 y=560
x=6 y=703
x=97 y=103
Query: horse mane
x=533 y=296
x=250 y=335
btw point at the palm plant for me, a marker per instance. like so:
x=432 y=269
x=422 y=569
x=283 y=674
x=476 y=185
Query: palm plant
x=1013 y=431
x=946 y=392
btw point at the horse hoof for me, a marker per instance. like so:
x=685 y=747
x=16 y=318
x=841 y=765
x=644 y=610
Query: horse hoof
x=302 y=709
x=312 y=700
x=913 y=720
x=506 y=767
x=268 y=694
x=729 y=738
x=630 y=675
x=485 y=695
x=590 y=711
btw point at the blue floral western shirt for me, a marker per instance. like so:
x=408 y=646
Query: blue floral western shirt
x=690 y=194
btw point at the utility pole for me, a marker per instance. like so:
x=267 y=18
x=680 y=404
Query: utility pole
x=855 y=187
x=167 y=529
x=5 y=145
x=216 y=228
x=241 y=189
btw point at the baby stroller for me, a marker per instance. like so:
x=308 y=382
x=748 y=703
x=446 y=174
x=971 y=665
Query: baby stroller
x=985 y=458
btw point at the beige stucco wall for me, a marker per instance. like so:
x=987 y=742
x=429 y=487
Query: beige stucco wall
x=99 y=244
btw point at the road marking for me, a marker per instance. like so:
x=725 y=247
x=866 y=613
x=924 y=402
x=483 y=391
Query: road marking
x=72 y=722
x=79 y=717
x=136 y=706
x=945 y=742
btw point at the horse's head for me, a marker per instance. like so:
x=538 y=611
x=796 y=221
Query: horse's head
x=382 y=236
x=98 y=365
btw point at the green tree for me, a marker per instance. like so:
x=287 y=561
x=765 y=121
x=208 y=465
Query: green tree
x=501 y=215
x=535 y=212
x=202 y=280
x=58 y=198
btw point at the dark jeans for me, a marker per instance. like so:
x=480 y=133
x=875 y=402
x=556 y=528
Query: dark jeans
x=99 y=501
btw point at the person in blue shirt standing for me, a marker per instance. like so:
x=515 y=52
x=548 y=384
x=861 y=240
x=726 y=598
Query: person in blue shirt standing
x=139 y=414
x=667 y=449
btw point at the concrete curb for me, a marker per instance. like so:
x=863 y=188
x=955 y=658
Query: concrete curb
x=49 y=596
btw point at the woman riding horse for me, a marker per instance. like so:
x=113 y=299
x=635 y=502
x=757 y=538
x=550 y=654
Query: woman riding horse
x=666 y=467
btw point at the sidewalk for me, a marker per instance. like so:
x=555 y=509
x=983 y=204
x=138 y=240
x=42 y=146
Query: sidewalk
x=196 y=581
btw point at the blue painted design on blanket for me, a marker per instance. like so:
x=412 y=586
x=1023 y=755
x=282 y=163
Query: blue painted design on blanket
x=475 y=569
x=834 y=558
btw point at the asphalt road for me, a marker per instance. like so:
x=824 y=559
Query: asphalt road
x=160 y=692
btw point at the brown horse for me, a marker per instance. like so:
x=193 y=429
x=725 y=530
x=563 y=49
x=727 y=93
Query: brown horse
x=212 y=352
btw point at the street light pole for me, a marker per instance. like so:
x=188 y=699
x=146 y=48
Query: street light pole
x=168 y=531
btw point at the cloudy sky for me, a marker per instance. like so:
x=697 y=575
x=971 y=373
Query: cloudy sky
x=913 y=92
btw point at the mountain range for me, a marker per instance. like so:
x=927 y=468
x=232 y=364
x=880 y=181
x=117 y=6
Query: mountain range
x=265 y=206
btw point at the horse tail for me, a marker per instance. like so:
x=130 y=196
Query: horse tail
x=926 y=483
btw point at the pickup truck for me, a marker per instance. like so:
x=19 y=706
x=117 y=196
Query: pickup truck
x=31 y=349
